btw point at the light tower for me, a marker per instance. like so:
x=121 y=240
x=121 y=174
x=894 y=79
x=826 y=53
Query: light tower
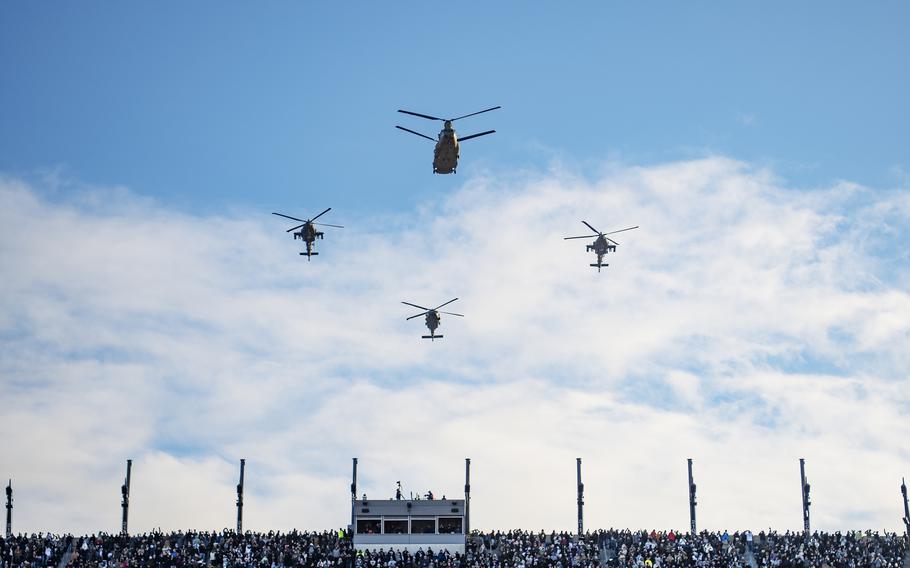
x=467 y=496
x=353 y=496
x=903 y=492
x=581 y=497
x=240 y=499
x=805 y=491
x=692 y=501
x=125 y=503
x=9 y=509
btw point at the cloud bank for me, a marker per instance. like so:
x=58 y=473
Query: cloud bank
x=745 y=324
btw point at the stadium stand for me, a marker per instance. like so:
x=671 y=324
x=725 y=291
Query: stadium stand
x=513 y=549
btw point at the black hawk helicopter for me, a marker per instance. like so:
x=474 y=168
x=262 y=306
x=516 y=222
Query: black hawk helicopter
x=433 y=317
x=601 y=246
x=445 y=156
x=308 y=233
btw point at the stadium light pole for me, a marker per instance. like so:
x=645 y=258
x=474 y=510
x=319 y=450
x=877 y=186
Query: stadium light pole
x=125 y=503
x=467 y=496
x=692 y=501
x=240 y=498
x=903 y=492
x=581 y=497
x=9 y=509
x=805 y=491
x=353 y=496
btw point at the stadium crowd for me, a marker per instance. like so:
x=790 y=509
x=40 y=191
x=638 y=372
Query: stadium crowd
x=513 y=549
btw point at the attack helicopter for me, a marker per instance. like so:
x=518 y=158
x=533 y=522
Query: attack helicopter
x=600 y=246
x=445 y=155
x=432 y=317
x=308 y=233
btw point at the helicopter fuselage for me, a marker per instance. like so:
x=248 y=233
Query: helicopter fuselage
x=432 y=320
x=445 y=155
x=308 y=234
x=601 y=246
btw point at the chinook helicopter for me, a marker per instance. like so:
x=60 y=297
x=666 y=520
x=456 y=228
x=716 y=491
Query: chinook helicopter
x=445 y=156
x=433 y=317
x=600 y=246
x=308 y=233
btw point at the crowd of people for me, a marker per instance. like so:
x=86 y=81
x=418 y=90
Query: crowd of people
x=33 y=550
x=513 y=549
x=837 y=550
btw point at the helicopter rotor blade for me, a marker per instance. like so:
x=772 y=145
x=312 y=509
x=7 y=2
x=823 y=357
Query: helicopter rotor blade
x=294 y=228
x=592 y=228
x=473 y=113
x=582 y=237
x=416 y=306
x=446 y=304
x=621 y=230
x=421 y=115
x=612 y=241
x=452 y=314
x=289 y=217
x=327 y=225
x=321 y=214
x=462 y=139
x=417 y=133
x=418 y=315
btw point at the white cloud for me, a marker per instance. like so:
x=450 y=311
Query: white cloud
x=745 y=324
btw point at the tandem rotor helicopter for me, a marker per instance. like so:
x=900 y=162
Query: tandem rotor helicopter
x=600 y=246
x=433 y=317
x=445 y=155
x=308 y=233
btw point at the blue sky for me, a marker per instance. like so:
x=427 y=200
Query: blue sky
x=152 y=308
x=292 y=104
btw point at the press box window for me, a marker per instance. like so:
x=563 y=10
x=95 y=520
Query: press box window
x=396 y=526
x=369 y=526
x=423 y=526
x=449 y=525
